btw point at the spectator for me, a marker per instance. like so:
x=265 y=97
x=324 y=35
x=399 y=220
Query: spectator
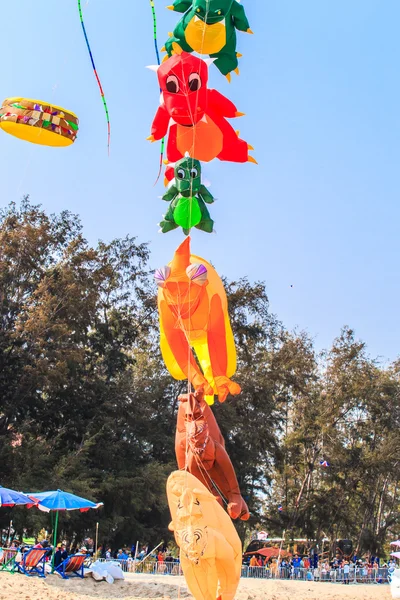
x=274 y=568
x=122 y=555
x=324 y=570
x=161 y=566
x=45 y=544
x=169 y=562
x=346 y=573
x=253 y=561
x=284 y=568
x=64 y=552
x=296 y=562
x=58 y=555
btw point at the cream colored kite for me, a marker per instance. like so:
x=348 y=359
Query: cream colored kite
x=210 y=548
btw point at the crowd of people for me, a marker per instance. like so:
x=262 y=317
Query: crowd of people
x=314 y=569
x=285 y=566
x=61 y=552
x=131 y=558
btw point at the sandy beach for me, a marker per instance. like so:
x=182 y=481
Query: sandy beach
x=18 y=587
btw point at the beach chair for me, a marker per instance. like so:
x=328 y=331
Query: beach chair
x=33 y=562
x=73 y=565
x=7 y=559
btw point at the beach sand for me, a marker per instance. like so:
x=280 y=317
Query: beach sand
x=20 y=587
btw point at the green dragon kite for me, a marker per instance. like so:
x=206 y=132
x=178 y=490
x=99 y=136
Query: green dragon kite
x=188 y=197
x=209 y=27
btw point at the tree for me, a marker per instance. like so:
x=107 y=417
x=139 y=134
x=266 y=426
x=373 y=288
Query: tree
x=72 y=316
x=348 y=417
x=87 y=405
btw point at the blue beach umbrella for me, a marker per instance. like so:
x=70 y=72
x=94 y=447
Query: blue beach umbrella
x=11 y=498
x=58 y=501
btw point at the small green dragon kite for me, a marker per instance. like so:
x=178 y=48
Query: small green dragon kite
x=188 y=197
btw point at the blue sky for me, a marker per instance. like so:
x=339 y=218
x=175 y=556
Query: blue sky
x=320 y=88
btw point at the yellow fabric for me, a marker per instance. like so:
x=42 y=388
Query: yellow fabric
x=206 y=39
x=36 y=133
x=210 y=548
x=166 y=351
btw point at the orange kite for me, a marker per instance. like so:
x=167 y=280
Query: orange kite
x=193 y=312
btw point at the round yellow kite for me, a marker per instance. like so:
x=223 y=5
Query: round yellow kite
x=38 y=122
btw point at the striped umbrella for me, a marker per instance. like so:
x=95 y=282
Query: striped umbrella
x=59 y=501
x=11 y=498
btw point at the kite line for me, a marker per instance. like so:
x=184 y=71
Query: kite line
x=96 y=75
x=153 y=10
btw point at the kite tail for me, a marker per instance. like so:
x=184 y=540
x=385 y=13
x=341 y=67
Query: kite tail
x=153 y=10
x=97 y=77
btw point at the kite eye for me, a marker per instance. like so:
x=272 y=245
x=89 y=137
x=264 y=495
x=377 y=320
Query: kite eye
x=194 y=173
x=173 y=84
x=181 y=174
x=197 y=273
x=161 y=275
x=194 y=82
x=219 y=12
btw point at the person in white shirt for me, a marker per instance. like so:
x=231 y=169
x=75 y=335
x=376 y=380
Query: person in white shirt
x=346 y=573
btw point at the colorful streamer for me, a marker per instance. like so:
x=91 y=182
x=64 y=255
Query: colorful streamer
x=153 y=10
x=96 y=75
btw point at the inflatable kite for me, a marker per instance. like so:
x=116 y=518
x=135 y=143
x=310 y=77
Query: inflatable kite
x=200 y=448
x=187 y=197
x=209 y=27
x=38 y=122
x=210 y=548
x=195 y=115
x=193 y=311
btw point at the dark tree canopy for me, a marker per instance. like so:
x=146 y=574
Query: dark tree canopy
x=87 y=405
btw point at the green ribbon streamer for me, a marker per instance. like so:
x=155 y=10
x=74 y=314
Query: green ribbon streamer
x=73 y=126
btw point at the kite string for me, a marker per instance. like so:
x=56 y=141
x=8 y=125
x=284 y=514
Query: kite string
x=191 y=203
x=153 y=10
x=187 y=332
x=194 y=128
x=96 y=75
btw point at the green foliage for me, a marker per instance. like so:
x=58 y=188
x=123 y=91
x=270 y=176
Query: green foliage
x=347 y=414
x=87 y=405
